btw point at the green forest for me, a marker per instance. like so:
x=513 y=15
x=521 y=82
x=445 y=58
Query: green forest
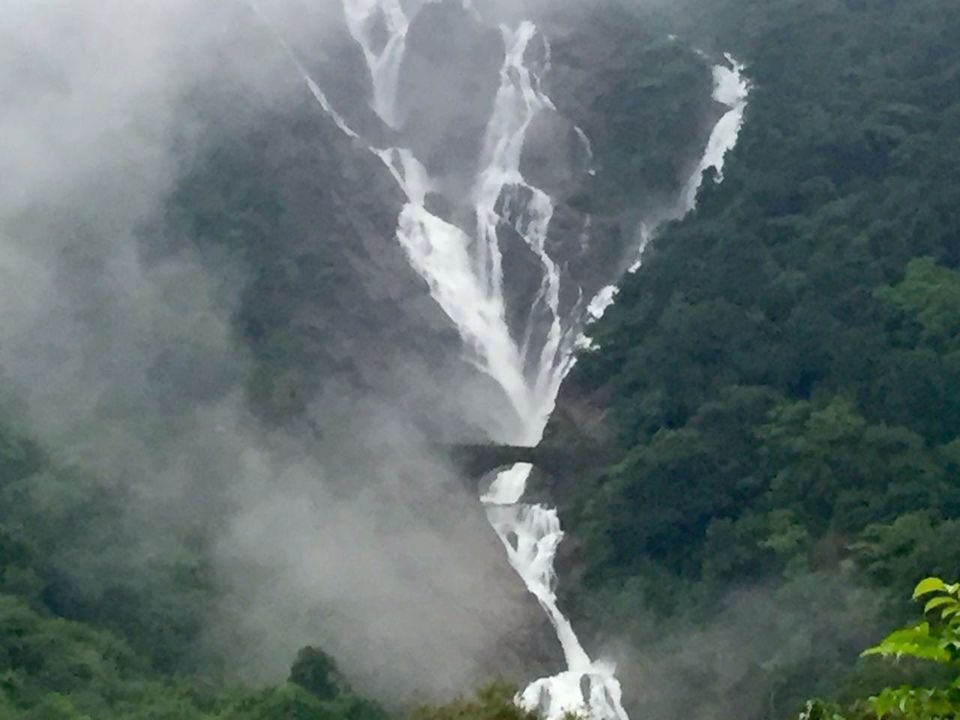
x=780 y=381
x=780 y=391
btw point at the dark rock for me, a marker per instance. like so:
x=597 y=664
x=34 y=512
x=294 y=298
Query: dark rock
x=448 y=82
x=331 y=298
x=554 y=159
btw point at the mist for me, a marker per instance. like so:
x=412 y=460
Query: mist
x=734 y=649
x=207 y=310
x=120 y=351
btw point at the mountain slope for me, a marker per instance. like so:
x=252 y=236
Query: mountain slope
x=779 y=381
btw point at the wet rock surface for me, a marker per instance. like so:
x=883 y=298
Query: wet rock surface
x=448 y=81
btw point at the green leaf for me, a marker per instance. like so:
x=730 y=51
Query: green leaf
x=929 y=585
x=913 y=642
x=939 y=602
x=884 y=702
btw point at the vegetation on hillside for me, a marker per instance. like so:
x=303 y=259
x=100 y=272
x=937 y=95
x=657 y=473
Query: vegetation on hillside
x=781 y=378
x=57 y=669
x=85 y=635
x=781 y=382
x=494 y=701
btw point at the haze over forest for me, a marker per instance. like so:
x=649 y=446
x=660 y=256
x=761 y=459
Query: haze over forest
x=479 y=360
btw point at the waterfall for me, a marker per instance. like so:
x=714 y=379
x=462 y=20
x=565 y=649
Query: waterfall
x=465 y=277
x=730 y=88
x=528 y=210
x=383 y=62
x=464 y=272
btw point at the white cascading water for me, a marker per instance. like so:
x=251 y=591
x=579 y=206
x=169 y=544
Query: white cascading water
x=465 y=276
x=543 y=352
x=731 y=89
x=383 y=62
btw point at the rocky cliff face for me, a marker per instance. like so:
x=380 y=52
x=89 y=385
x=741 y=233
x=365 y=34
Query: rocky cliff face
x=334 y=317
x=330 y=296
x=330 y=300
x=445 y=118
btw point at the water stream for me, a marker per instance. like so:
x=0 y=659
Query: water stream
x=464 y=271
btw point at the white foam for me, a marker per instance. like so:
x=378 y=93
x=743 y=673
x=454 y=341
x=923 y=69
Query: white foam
x=730 y=87
x=384 y=63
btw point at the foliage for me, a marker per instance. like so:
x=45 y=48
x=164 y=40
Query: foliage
x=59 y=669
x=120 y=647
x=317 y=673
x=60 y=528
x=791 y=347
x=491 y=702
x=779 y=380
x=935 y=639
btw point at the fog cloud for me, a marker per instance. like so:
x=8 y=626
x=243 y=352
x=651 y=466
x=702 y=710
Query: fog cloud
x=120 y=351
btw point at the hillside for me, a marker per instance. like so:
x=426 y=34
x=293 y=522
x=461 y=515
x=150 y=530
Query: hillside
x=263 y=280
x=780 y=379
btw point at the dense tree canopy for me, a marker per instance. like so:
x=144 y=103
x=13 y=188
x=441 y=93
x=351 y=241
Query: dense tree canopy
x=781 y=379
x=790 y=350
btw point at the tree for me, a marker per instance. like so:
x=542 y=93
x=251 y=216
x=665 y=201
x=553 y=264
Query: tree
x=317 y=673
x=935 y=639
x=491 y=702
